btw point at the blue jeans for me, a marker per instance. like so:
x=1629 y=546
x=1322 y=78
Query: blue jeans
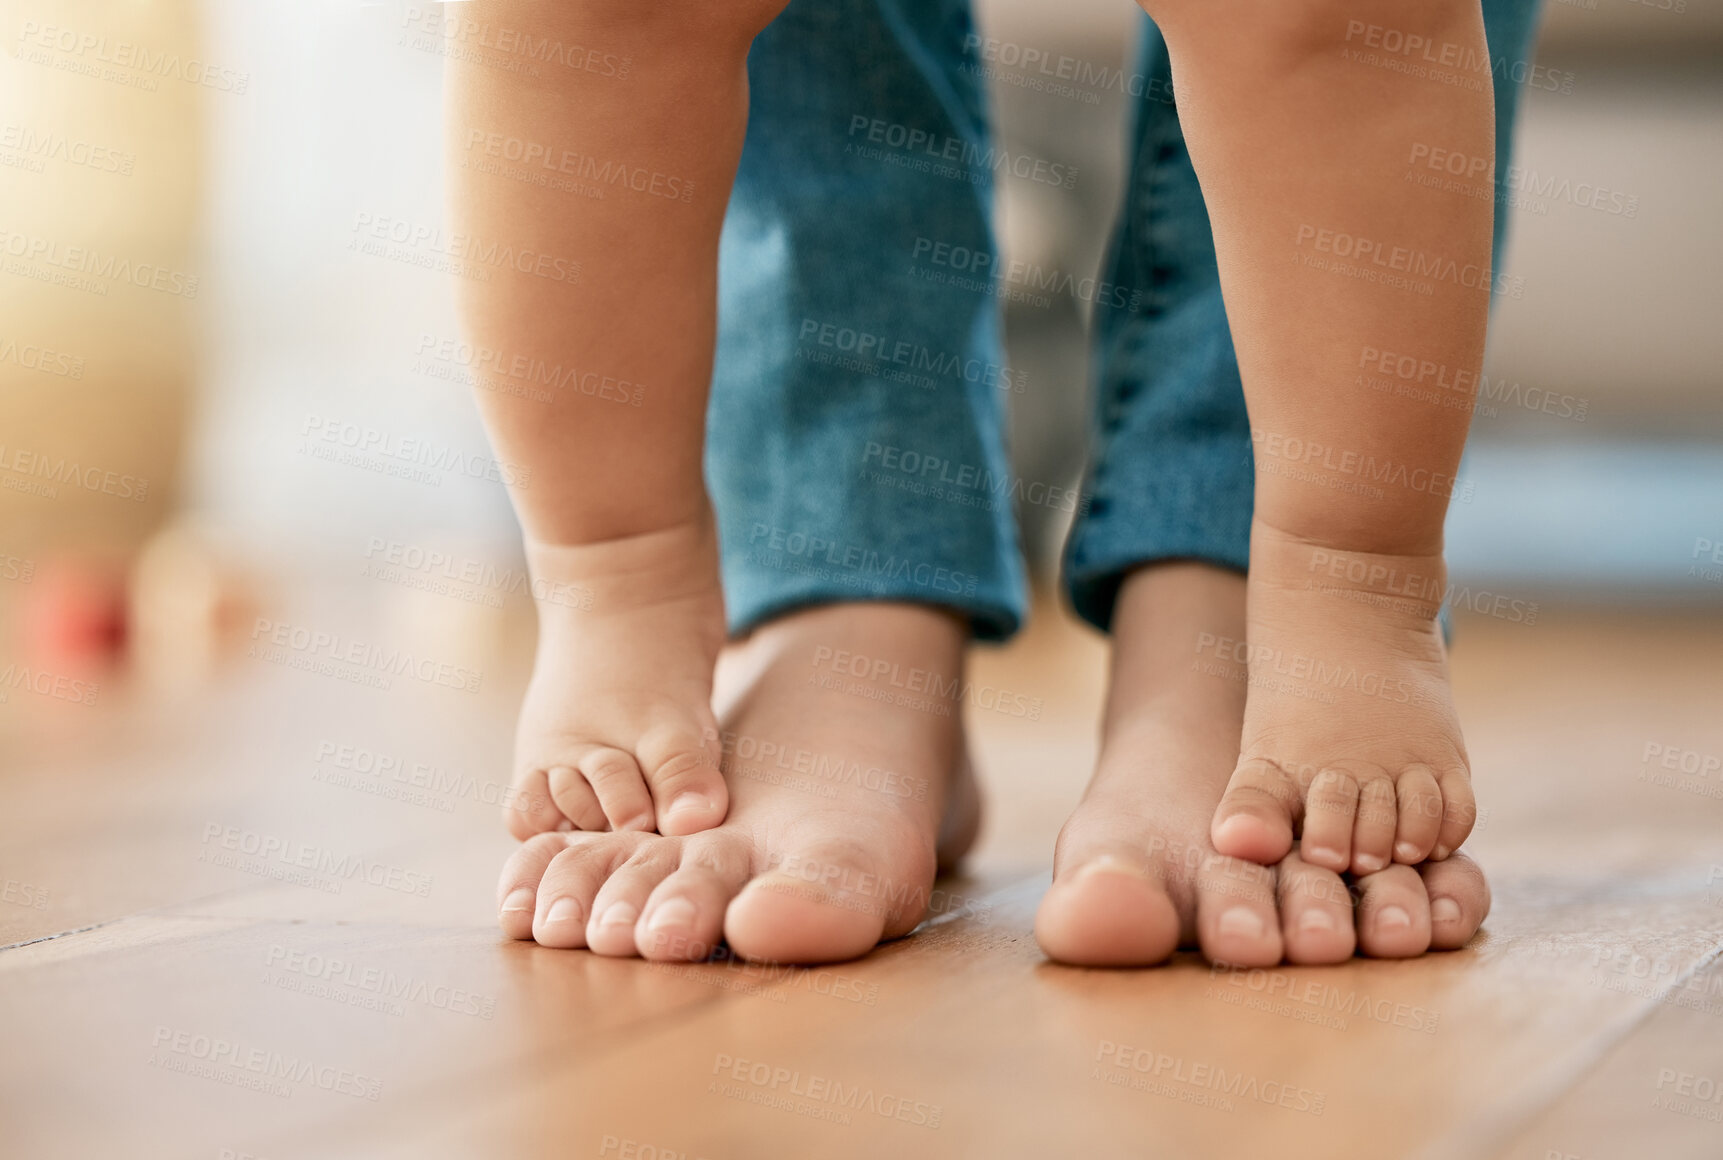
x=856 y=435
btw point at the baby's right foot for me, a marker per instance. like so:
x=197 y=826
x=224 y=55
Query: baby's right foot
x=617 y=728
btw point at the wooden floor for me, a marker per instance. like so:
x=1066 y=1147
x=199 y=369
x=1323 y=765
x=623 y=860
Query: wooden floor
x=163 y=996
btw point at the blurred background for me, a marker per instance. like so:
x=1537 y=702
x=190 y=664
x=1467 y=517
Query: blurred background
x=193 y=318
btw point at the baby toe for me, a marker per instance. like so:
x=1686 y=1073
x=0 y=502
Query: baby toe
x=1459 y=810
x=574 y=799
x=1420 y=821
x=615 y=778
x=1330 y=815
x=1374 y=827
x=688 y=790
x=1255 y=817
x=530 y=808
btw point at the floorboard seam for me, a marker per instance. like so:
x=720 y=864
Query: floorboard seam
x=1496 y=1134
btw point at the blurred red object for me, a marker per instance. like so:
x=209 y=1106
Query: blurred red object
x=73 y=615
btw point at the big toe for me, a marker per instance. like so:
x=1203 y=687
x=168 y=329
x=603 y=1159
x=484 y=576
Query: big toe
x=688 y=790
x=1255 y=816
x=1107 y=912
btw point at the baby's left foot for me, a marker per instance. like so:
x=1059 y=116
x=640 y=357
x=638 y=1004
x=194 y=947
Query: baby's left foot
x=1350 y=734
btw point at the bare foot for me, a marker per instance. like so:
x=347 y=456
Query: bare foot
x=617 y=728
x=1135 y=875
x=1350 y=733
x=835 y=823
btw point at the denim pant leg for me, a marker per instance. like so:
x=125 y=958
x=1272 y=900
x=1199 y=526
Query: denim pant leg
x=1170 y=472
x=857 y=425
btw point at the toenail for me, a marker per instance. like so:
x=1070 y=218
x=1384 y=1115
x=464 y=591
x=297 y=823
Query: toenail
x=676 y=912
x=1444 y=910
x=1369 y=863
x=689 y=802
x=1406 y=852
x=1316 y=920
x=564 y=826
x=1393 y=918
x=1233 y=825
x=1439 y=853
x=1241 y=921
x=563 y=910
x=619 y=914
x=1320 y=854
x=1109 y=864
x=517 y=901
